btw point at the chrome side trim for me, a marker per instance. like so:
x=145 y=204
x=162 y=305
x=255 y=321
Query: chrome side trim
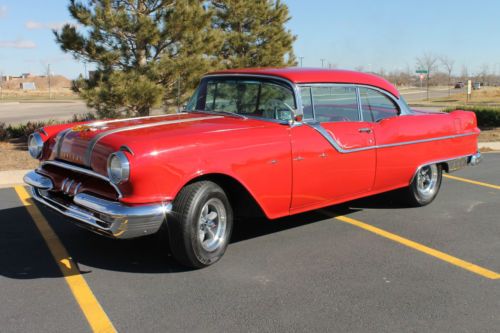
x=95 y=139
x=321 y=130
x=84 y=171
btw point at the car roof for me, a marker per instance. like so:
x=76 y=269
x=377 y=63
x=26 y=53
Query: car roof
x=317 y=75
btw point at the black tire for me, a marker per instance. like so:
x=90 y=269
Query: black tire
x=422 y=191
x=185 y=224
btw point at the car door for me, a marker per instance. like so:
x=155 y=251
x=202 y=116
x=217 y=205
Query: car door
x=396 y=159
x=332 y=152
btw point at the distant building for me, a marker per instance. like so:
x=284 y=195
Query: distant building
x=27 y=86
x=26 y=75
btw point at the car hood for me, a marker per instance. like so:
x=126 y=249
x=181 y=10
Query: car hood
x=90 y=144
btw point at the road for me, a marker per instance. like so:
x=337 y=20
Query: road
x=15 y=113
x=379 y=267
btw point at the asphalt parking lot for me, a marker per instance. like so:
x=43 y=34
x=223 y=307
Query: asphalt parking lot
x=368 y=265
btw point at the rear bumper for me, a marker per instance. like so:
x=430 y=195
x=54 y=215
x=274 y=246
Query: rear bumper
x=110 y=218
x=475 y=159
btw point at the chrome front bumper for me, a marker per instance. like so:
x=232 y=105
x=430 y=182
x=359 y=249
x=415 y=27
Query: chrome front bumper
x=110 y=218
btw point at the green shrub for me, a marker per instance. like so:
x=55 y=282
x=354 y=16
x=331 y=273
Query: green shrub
x=3 y=132
x=487 y=116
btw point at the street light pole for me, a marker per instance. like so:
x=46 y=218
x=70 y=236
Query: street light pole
x=301 y=58
x=322 y=62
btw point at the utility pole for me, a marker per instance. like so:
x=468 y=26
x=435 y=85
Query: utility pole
x=301 y=58
x=322 y=62
x=1 y=85
x=48 y=76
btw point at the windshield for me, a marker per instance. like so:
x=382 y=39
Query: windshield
x=249 y=97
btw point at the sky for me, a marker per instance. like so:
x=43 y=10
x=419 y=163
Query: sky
x=366 y=34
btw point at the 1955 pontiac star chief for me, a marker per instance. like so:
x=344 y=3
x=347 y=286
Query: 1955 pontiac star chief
x=288 y=140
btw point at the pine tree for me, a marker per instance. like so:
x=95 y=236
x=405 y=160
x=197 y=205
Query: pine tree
x=144 y=50
x=254 y=33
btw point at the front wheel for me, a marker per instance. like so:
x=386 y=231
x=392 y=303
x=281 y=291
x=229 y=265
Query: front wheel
x=200 y=224
x=425 y=185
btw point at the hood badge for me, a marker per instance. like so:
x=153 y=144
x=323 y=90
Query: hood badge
x=87 y=128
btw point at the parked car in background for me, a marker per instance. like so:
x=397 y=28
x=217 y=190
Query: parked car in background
x=476 y=85
x=284 y=141
x=459 y=85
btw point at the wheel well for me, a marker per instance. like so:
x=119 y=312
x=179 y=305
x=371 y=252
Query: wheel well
x=444 y=166
x=242 y=202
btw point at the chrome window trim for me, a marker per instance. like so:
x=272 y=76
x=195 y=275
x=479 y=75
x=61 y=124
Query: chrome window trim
x=83 y=171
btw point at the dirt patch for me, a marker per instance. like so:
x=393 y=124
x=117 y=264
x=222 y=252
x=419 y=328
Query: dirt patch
x=15 y=157
x=490 y=135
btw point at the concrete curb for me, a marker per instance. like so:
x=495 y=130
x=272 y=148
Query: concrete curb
x=492 y=145
x=12 y=178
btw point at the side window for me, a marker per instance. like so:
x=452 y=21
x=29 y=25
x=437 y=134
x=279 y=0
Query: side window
x=376 y=106
x=305 y=95
x=275 y=102
x=335 y=103
x=231 y=96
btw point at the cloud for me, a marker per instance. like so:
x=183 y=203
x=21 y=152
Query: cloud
x=17 y=44
x=3 y=11
x=34 y=25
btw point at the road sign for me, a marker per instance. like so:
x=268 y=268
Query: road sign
x=421 y=71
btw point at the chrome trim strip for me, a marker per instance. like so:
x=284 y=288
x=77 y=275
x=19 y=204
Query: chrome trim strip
x=95 y=139
x=105 y=122
x=321 y=130
x=128 y=149
x=60 y=140
x=84 y=171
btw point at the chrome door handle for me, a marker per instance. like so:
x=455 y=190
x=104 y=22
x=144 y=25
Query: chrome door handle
x=365 y=130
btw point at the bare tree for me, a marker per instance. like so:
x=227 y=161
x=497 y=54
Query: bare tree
x=427 y=62
x=465 y=73
x=448 y=63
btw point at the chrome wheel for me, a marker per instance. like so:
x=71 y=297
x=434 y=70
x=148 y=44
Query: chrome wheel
x=212 y=225
x=427 y=181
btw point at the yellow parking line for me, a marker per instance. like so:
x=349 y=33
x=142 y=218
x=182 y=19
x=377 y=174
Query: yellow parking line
x=496 y=187
x=97 y=318
x=419 y=247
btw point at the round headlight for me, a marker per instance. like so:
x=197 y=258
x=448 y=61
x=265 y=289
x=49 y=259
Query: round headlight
x=35 y=145
x=118 y=167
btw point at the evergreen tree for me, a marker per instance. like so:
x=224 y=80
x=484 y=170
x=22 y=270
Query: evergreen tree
x=254 y=33
x=144 y=50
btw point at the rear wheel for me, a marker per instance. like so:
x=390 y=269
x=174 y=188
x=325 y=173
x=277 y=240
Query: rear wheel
x=425 y=185
x=200 y=224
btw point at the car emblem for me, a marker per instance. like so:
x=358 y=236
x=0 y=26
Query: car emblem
x=83 y=128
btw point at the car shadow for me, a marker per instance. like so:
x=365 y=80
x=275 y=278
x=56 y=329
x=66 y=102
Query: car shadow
x=24 y=254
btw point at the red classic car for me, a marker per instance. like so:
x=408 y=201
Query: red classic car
x=288 y=140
